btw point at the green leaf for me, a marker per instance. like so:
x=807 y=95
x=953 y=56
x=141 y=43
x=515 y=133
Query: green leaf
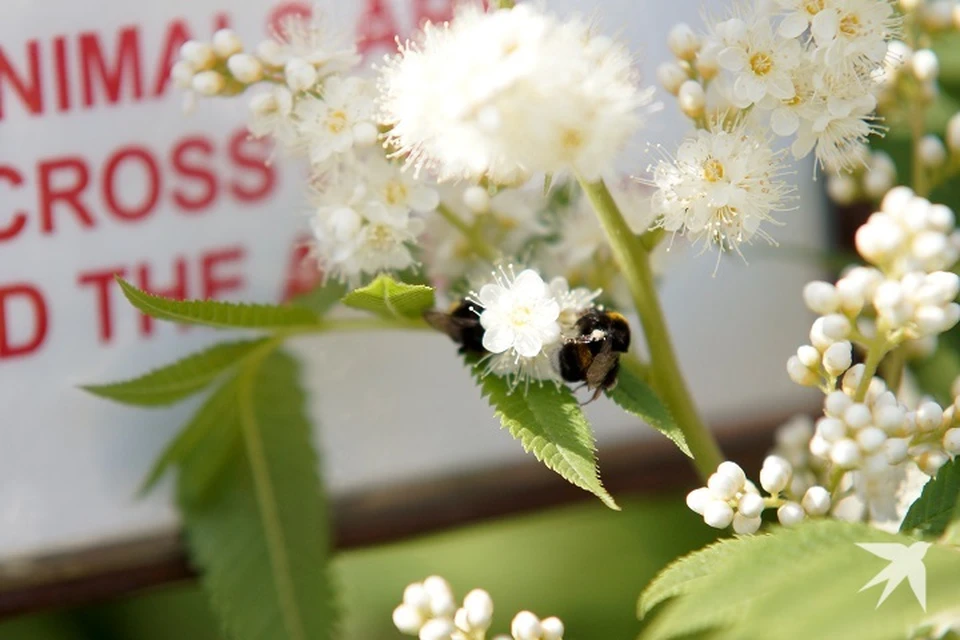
x=938 y=504
x=387 y=297
x=321 y=298
x=261 y=535
x=549 y=423
x=218 y=314
x=804 y=582
x=635 y=396
x=209 y=439
x=936 y=373
x=178 y=380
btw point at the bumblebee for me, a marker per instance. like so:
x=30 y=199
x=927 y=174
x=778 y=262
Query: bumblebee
x=593 y=356
x=461 y=323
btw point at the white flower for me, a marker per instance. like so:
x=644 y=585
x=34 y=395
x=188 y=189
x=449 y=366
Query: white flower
x=357 y=235
x=836 y=128
x=327 y=124
x=328 y=50
x=398 y=190
x=511 y=92
x=852 y=34
x=799 y=15
x=272 y=115
x=573 y=303
x=761 y=62
x=520 y=314
x=723 y=185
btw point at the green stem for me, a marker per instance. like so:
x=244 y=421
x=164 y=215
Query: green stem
x=892 y=368
x=634 y=262
x=875 y=353
x=478 y=244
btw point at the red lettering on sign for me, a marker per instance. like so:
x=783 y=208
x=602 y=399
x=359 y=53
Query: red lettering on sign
x=19 y=220
x=61 y=74
x=435 y=11
x=303 y=272
x=30 y=295
x=177 y=290
x=191 y=158
x=214 y=283
x=252 y=154
x=69 y=195
x=376 y=27
x=30 y=88
x=102 y=283
x=126 y=63
x=109 y=183
x=177 y=33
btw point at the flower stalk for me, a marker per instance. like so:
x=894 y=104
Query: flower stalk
x=634 y=262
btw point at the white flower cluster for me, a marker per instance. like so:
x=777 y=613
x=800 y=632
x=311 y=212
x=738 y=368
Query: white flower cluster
x=723 y=184
x=429 y=611
x=808 y=67
x=729 y=498
x=504 y=94
x=525 y=320
x=872 y=440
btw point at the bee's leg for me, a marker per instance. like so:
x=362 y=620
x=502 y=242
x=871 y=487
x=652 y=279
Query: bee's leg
x=596 y=394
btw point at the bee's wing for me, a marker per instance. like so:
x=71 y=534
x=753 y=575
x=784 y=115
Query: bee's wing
x=448 y=324
x=602 y=363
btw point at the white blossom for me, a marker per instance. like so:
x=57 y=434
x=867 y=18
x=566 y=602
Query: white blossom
x=511 y=92
x=327 y=125
x=722 y=186
x=520 y=314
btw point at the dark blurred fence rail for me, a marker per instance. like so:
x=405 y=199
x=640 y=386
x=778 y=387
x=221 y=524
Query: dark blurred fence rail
x=374 y=517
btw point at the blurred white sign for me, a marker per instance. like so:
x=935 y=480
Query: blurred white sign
x=101 y=173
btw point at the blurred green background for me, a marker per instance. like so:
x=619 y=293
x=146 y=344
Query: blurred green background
x=585 y=564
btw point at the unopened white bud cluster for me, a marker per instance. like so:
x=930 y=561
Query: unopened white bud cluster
x=429 y=612
x=730 y=499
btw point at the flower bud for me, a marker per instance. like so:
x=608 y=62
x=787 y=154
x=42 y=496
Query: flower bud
x=200 y=55
x=895 y=450
x=938 y=15
x=925 y=65
x=718 y=514
x=790 y=514
x=226 y=43
x=931 y=461
x=809 y=356
x=931 y=151
x=182 y=74
x=871 y=439
x=851 y=379
x=877 y=182
x=245 y=68
x=842 y=189
x=857 y=416
x=477 y=199
x=671 y=76
x=692 y=98
x=929 y=416
x=683 y=42
x=437 y=629
x=836 y=403
x=953 y=132
x=300 y=75
x=442 y=603
x=707 y=63
x=271 y=53
x=775 y=474
x=526 y=626
x=845 y=454
x=479 y=609
x=208 y=83
x=365 y=134
x=750 y=505
x=552 y=628
x=816 y=501
x=838 y=357
x=416 y=596
x=831 y=429
x=801 y=374
x=951 y=441
x=698 y=499
x=407 y=620
x=821 y=297
x=746 y=526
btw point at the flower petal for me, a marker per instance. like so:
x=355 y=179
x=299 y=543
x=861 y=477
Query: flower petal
x=490 y=294
x=793 y=25
x=500 y=338
x=529 y=284
x=527 y=343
